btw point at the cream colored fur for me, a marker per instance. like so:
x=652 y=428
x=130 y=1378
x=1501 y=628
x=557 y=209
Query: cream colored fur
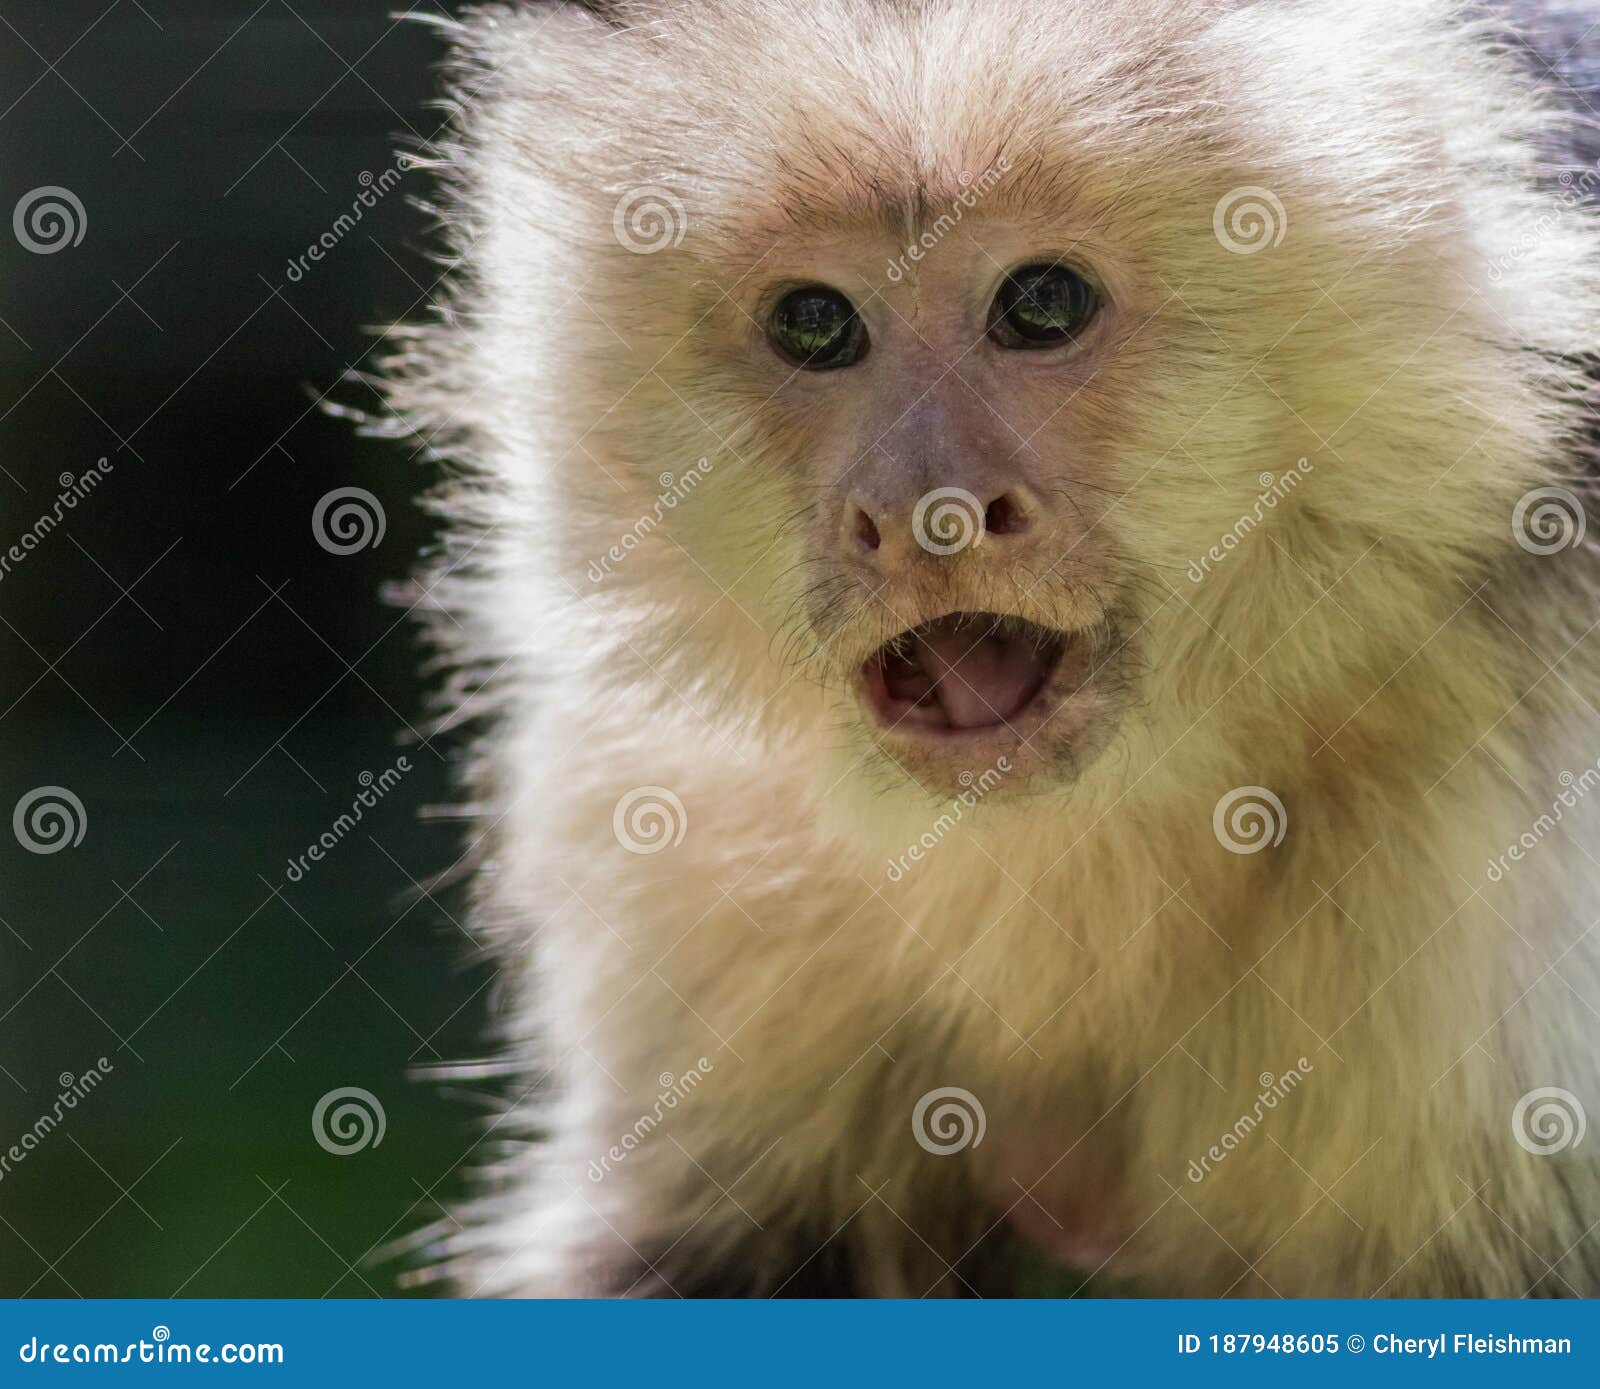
x=1082 y=955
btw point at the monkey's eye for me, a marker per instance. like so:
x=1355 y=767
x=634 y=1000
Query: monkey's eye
x=1041 y=306
x=817 y=328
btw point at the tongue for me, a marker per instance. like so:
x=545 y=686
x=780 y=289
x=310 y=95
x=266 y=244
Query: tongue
x=978 y=679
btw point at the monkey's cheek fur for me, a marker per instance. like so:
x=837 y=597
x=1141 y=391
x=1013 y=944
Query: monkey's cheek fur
x=957 y=700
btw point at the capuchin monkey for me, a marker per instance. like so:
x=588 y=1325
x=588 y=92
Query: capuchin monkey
x=1022 y=570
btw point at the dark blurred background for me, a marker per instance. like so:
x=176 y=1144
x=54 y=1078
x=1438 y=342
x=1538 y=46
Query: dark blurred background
x=181 y=655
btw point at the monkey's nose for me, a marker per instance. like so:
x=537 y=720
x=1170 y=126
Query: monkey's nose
x=941 y=521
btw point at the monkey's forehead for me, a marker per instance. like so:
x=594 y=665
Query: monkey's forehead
x=902 y=197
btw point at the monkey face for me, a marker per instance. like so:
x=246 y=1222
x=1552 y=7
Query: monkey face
x=952 y=568
x=924 y=427
x=947 y=422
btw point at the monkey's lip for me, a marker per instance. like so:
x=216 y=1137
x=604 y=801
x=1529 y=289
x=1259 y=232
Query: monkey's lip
x=966 y=673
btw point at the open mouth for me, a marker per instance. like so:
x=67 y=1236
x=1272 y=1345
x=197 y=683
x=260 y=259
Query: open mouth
x=962 y=673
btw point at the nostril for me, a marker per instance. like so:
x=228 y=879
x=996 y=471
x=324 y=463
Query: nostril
x=1005 y=516
x=866 y=531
